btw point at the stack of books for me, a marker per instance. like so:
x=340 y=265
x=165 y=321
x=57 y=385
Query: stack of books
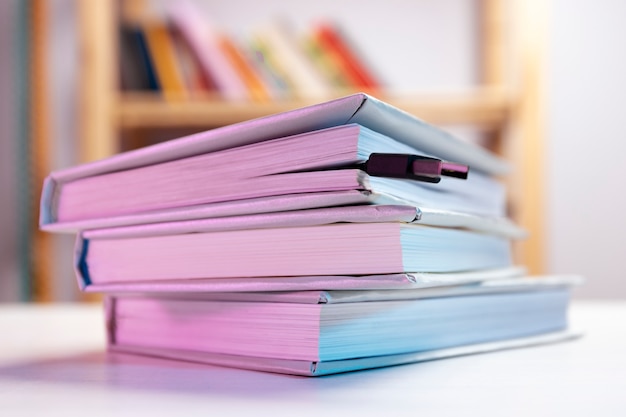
x=327 y=239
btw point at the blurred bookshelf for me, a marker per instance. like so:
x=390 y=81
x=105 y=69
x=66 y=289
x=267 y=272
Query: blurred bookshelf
x=509 y=111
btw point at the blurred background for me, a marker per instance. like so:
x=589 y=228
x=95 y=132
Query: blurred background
x=540 y=82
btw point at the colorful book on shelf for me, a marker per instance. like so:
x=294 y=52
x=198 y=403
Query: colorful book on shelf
x=166 y=64
x=325 y=63
x=299 y=333
x=267 y=63
x=276 y=84
x=375 y=123
x=338 y=50
x=137 y=69
x=196 y=80
x=335 y=241
x=285 y=52
x=200 y=35
x=256 y=86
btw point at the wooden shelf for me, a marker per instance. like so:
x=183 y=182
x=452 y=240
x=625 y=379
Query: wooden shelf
x=485 y=108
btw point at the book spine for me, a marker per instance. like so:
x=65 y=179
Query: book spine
x=267 y=62
x=337 y=47
x=133 y=68
x=81 y=269
x=326 y=65
x=256 y=87
x=47 y=206
x=161 y=49
x=148 y=64
x=204 y=40
x=294 y=63
x=196 y=80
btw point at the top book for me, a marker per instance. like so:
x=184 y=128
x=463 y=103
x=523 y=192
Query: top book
x=96 y=190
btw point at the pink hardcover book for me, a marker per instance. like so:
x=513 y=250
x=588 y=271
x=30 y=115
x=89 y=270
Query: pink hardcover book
x=323 y=332
x=292 y=219
x=372 y=283
x=359 y=240
x=343 y=121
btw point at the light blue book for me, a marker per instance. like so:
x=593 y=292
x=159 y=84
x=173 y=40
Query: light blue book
x=323 y=332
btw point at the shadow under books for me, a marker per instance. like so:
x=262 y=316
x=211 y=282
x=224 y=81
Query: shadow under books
x=141 y=373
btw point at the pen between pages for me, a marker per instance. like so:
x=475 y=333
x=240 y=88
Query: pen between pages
x=415 y=167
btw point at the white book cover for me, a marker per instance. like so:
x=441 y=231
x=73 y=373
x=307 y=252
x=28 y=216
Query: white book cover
x=360 y=108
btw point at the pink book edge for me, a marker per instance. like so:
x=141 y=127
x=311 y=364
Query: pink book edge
x=295 y=218
x=313 y=217
x=406 y=281
x=259 y=205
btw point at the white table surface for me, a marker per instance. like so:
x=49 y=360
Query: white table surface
x=53 y=363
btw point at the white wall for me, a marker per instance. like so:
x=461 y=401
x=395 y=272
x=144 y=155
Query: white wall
x=586 y=211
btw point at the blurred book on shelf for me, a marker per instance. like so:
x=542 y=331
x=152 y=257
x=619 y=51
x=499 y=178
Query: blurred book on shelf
x=337 y=50
x=136 y=69
x=180 y=53
x=255 y=84
x=206 y=42
x=163 y=56
x=280 y=46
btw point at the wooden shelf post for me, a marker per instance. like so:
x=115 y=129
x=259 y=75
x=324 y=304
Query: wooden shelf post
x=98 y=124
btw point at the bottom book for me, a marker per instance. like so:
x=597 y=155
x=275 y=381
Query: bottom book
x=316 y=333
